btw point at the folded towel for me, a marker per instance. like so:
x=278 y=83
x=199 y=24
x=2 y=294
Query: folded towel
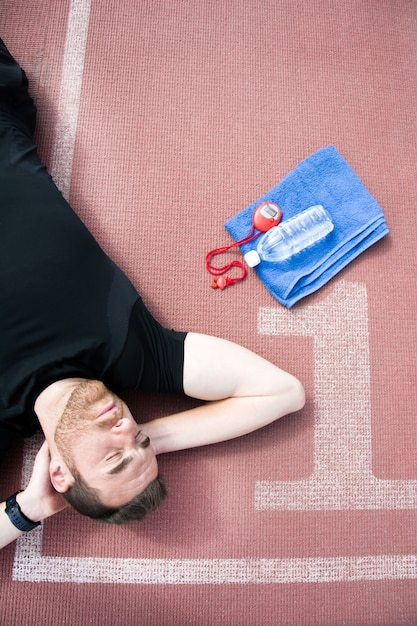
x=322 y=178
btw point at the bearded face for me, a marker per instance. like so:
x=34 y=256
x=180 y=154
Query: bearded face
x=100 y=441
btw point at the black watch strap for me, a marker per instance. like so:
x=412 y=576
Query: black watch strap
x=16 y=516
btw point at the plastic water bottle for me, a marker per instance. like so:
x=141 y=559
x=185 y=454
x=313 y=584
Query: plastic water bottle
x=292 y=236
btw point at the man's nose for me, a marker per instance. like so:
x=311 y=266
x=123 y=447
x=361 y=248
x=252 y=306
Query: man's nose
x=122 y=426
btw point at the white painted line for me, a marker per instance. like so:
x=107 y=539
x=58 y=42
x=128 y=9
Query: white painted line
x=69 y=95
x=342 y=478
x=31 y=566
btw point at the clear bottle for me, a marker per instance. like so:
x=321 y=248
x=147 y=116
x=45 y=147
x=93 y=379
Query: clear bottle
x=291 y=236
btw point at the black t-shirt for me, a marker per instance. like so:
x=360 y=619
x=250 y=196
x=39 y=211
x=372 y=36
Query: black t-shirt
x=64 y=305
x=65 y=308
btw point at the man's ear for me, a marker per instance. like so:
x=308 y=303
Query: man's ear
x=61 y=477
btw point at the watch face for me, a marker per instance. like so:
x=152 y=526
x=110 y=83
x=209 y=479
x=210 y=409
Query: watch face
x=266 y=216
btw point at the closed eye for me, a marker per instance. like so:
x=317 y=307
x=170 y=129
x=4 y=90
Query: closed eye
x=144 y=443
x=120 y=467
x=141 y=443
x=113 y=456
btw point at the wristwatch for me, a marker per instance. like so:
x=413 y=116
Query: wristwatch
x=16 y=516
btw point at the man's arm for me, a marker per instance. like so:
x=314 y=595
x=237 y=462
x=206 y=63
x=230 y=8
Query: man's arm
x=243 y=390
x=37 y=502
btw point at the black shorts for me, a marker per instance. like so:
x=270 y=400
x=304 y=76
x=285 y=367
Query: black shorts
x=153 y=356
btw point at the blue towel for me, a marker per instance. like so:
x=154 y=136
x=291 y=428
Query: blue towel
x=322 y=178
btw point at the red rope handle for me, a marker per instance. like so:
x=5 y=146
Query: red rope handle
x=220 y=281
